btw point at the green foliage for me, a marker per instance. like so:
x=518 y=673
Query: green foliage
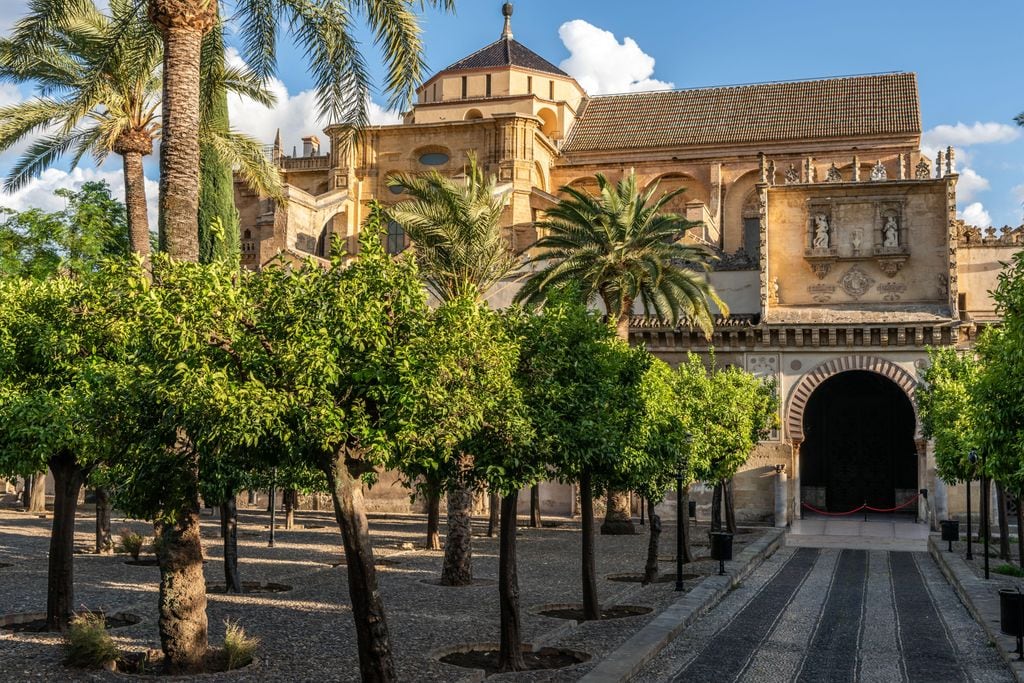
x=87 y=642
x=730 y=410
x=581 y=387
x=998 y=399
x=239 y=648
x=131 y=542
x=945 y=405
x=659 y=445
x=622 y=246
x=1009 y=570
x=456 y=230
x=93 y=226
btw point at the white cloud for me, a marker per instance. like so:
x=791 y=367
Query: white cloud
x=39 y=192
x=963 y=135
x=601 y=64
x=975 y=214
x=295 y=115
x=970 y=184
x=1018 y=193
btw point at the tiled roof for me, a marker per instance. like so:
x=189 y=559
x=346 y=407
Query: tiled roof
x=764 y=112
x=505 y=52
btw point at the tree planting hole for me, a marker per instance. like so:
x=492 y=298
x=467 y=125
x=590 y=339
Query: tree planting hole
x=150 y=663
x=152 y=562
x=4 y=565
x=661 y=578
x=250 y=587
x=487 y=659
x=314 y=526
x=35 y=622
x=383 y=562
x=575 y=612
x=476 y=582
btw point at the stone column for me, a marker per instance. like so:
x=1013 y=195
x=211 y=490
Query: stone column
x=797 y=502
x=781 y=502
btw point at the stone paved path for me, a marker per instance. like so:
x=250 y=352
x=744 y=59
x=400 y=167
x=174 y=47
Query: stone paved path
x=810 y=615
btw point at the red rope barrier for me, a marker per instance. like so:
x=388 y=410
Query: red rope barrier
x=862 y=507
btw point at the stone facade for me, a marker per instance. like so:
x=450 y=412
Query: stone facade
x=839 y=245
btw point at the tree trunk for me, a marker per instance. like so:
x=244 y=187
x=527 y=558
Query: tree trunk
x=458 y=544
x=510 y=653
x=684 y=519
x=493 y=513
x=229 y=537
x=182 y=622
x=1020 y=532
x=68 y=477
x=535 y=520
x=104 y=541
x=26 y=493
x=182 y=23
x=375 y=661
x=37 y=493
x=651 y=568
x=591 y=607
x=135 y=201
x=716 y=507
x=433 y=518
x=618 y=518
x=730 y=507
x=1004 y=523
x=291 y=497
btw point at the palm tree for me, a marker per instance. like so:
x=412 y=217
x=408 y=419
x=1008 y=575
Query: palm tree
x=621 y=246
x=461 y=252
x=88 y=103
x=455 y=229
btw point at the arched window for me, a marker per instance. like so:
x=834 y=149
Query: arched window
x=474 y=114
x=395 y=240
x=247 y=234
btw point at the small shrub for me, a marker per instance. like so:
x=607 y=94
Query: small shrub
x=88 y=643
x=239 y=648
x=1009 y=570
x=131 y=542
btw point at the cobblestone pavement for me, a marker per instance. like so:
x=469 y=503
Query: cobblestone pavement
x=835 y=615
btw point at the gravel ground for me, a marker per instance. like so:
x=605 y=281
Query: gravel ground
x=307 y=633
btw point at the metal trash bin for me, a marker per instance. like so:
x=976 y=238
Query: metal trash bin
x=721 y=545
x=1011 y=612
x=950 y=529
x=692 y=509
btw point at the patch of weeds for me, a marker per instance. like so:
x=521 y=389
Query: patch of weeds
x=131 y=542
x=88 y=643
x=239 y=648
x=1009 y=570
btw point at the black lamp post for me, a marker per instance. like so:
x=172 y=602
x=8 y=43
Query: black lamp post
x=680 y=519
x=273 y=506
x=972 y=457
x=986 y=506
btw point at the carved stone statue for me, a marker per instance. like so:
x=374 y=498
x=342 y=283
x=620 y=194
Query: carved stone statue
x=773 y=292
x=834 y=176
x=890 y=232
x=820 y=231
x=792 y=175
x=922 y=172
x=878 y=171
x=858 y=237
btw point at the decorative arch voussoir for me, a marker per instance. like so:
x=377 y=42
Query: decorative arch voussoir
x=801 y=393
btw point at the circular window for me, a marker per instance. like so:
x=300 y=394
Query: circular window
x=434 y=159
x=396 y=189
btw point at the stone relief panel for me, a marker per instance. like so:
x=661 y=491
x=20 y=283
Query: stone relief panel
x=821 y=294
x=891 y=291
x=856 y=282
x=765 y=366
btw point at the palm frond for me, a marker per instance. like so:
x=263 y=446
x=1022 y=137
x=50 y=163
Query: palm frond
x=245 y=155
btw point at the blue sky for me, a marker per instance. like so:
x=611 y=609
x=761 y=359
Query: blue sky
x=966 y=56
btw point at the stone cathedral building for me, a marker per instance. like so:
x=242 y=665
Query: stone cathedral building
x=841 y=256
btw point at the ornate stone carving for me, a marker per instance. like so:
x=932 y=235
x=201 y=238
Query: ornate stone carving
x=892 y=291
x=763 y=365
x=821 y=232
x=890 y=266
x=857 y=241
x=938 y=164
x=950 y=161
x=822 y=293
x=762 y=165
x=773 y=292
x=856 y=282
x=771 y=172
x=738 y=260
x=833 y=175
x=792 y=175
x=890 y=232
x=943 y=285
x=856 y=169
x=821 y=268
x=878 y=171
x=922 y=171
